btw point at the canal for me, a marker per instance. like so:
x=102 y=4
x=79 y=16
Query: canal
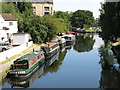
x=81 y=65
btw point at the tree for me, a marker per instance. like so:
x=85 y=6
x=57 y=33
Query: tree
x=54 y=25
x=65 y=17
x=82 y=18
x=110 y=21
x=25 y=8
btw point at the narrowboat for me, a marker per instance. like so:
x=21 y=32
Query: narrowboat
x=26 y=65
x=69 y=38
x=50 y=49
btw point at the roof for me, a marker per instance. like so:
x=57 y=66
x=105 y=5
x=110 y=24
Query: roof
x=8 y=17
x=50 y=44
x=42 y=0
x=68 y=35
x=71 y=32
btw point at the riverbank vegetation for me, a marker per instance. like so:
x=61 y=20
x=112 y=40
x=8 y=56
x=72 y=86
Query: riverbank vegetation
x=43 y=29
x=110 y=21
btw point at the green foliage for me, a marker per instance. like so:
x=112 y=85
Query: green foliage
x=65 y=17
x=84 y=43
x=110 y=20
x=82 y=18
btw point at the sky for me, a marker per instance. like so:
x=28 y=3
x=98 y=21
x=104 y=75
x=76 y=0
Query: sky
x=74 y=5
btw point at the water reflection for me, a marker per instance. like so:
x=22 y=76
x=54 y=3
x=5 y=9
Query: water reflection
x=55 y=65
x=109 y=60
x=84 y=42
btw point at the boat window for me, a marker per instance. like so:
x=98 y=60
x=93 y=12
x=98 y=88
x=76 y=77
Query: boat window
x=45 y=49
x=35 y=52
x=41 y=54
x=54 y=46
x=38 y=57
x=20 y=65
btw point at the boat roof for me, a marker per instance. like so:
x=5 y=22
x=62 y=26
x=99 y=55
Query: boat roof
x=50 y=44
x=29 y=56
x=71 y=32
x=68 y=35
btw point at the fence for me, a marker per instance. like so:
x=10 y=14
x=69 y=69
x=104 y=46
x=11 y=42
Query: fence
x=14 y=51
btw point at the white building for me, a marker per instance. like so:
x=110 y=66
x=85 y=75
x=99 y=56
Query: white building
x=21 y=38
x=8 y=26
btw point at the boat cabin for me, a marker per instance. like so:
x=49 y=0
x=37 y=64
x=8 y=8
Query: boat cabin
x=69 y=38
x=28 y=60
x=49 y=47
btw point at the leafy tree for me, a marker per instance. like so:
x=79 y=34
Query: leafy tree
x=25 y=8
x=54 y=25
x=65 y=16
x=110 y=21
x=82 y=18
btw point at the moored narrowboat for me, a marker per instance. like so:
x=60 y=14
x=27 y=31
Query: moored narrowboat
x=69 y=38
x=26 y=65
x=50 y=49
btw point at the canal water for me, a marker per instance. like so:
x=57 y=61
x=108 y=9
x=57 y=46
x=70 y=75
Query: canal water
x=75 y=66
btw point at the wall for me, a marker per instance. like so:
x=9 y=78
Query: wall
x=20 y=38
x=13 y=28
x=3 y=34
x=14 y=51
x=1 y=22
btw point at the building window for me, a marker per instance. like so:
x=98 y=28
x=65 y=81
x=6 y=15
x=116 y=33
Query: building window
x=34 y=13
x=46 y=13
x=34 y=8
x=46 y=9
x=46 y=2
x=10 y=23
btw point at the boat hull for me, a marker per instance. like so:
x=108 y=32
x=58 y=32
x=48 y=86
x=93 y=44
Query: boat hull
x=70 y=42
x=62 y=44
x=26 y=82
